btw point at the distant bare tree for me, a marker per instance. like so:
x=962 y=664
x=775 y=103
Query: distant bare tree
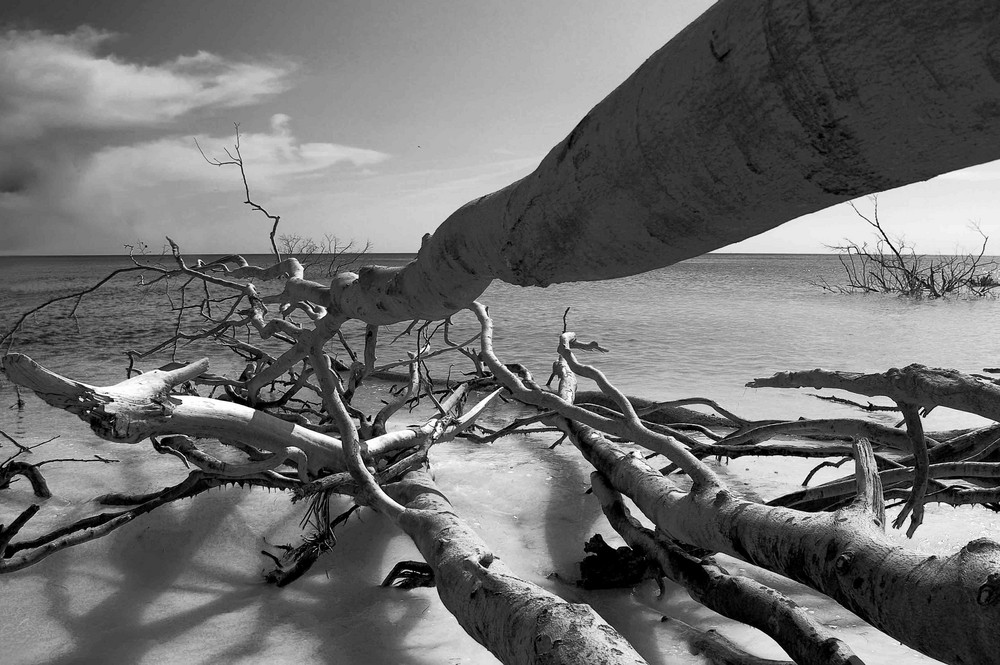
x=893 y=266
x=236 y=159
x=327 y=255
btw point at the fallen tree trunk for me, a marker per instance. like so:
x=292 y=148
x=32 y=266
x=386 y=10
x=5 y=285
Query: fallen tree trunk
x=519 y=622
x=915 y=384
x=757 y=113
x=845 y=555
x=734 y=596
x=516 y=620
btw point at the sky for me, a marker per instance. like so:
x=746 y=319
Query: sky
x=368 y=121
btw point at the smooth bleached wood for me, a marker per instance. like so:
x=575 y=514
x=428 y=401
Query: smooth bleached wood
x=756 y=114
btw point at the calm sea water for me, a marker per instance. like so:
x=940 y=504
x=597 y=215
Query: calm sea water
x=702 y=327
x=183 y=585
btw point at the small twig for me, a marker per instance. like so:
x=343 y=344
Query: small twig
x=21 y=447
x=6 y=535
x=823 y=465
x=237 y=160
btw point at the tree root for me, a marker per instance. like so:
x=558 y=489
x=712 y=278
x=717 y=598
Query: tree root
x=607 y=567
x=30 y=471
x=409 y=575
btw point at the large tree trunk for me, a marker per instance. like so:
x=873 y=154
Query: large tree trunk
x=516 y=620
x=757 y=113
x=942 y=606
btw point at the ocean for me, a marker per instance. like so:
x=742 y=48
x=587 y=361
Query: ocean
x=164 y=589
x=704 y=327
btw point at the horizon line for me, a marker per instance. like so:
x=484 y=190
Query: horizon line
x=4 y=255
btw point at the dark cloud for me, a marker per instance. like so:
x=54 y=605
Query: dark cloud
x=17 y=179
x=52 y=81
x=65 y=109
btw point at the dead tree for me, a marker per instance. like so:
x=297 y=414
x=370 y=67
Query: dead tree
x=757 y=113
x=843 y=554
x=893 y=266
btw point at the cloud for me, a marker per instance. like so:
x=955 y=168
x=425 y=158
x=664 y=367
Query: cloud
x=17 y=178
x=70 y=183
x=143 y=190
x=51 y=81
x=271 y=160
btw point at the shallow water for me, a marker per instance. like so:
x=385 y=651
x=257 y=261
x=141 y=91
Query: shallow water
x=182 y=585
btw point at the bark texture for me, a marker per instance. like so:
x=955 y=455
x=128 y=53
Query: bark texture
x=915 y=384
x=734 y=596
x=518 y=621
x=944 y=606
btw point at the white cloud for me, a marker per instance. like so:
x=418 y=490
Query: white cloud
x=59 y=95
x=143 y=190
x=50 y=81
x=270 y=159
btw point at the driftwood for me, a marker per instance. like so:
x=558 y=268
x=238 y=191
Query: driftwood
x=518 y=621
x=843 y=554
x=757 y=113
